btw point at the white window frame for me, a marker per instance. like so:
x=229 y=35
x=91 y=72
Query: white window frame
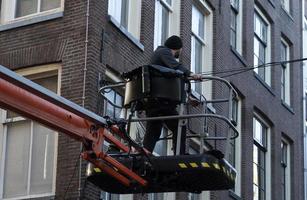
x=286 y=75
x=268 y=164
x=133 y=25
x=207 y=45
x=239 y=22
x=37 y=71
x=238 y=148
x=173 y=20
x=268 y=46
x=287 y=169
x=9 y=8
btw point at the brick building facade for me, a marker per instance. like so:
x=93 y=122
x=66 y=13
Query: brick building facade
x=54 y=40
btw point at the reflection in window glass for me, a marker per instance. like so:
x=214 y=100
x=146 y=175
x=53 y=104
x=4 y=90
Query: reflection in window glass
x=25 y=7
x=50 y=4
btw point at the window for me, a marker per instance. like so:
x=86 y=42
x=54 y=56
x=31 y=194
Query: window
x=234 y=120
x=262 y=46
x=127 y=14
x=235 y=145
x=201 y=45
x=197 y=40
x=28 y=158
x=261 y=162
x=285 y=72
x=236 y=25
x=205 y=195
x=116 y=98
x=24 y=9
x=119 y=10
x=285 y=170
x=285 y=4
x=162 y=21
x=167 y=20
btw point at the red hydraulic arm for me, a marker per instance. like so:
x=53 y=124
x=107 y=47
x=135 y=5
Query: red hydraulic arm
x=35 y=102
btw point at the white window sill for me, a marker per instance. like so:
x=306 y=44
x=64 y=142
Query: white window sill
x=265 y=84
x=239 y=56
x=42 y=196
x=126 y=33
x=287 y=106
x=287 y=12
x=32 y=20
x=233 y=195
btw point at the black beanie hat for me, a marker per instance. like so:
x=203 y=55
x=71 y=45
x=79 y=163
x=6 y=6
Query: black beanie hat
x=174 y=42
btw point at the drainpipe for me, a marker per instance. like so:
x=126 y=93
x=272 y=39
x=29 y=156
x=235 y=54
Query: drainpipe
x=304 y=48
x=84 y=83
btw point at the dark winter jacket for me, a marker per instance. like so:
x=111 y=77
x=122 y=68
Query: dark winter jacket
x=164 y=57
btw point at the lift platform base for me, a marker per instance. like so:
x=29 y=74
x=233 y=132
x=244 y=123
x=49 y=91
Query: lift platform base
x=184 y=173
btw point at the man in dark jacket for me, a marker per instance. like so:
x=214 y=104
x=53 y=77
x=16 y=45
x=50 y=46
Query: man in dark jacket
x=166 y=56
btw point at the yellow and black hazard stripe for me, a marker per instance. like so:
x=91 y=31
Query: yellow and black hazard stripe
x=217 y=166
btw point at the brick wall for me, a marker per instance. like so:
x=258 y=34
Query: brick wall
x=62 y=41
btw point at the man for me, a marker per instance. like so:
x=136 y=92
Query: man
x=166 y=56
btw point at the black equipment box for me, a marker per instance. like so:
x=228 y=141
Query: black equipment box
x=152 y=84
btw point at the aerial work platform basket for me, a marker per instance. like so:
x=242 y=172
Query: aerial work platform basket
x=125 y=171
x=146 y=87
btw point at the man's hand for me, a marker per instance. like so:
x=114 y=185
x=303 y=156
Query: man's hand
x=196 y=76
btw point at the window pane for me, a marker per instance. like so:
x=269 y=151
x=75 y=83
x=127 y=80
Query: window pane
x=262 y=178
x=233 y=38
x=198 y=22
x=255 y=155
x=233 y=18
x=119 y=102
x=284 y=150
x=110 y=95
x=155 y=196
x=258 y=132
x=116 y=99
x=25 y=7
x=259 y=52
x=194 y=196
x=124 y=13
x=50 y=4
x=259 y=57
x=43 y=155
x=161 y=146
x=283 y=52
x=232 y=152
x=48 y=83
x=169 y=2
x=196 y=61
x=17 y=159
x=114 y=9
x=234 y=113
x=260 y=28
x=165 y=24
x=233 y=28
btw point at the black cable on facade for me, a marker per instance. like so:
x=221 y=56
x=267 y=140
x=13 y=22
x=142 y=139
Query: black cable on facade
x=245 y=69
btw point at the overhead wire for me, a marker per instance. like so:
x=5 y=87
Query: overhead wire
x=235 y=71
